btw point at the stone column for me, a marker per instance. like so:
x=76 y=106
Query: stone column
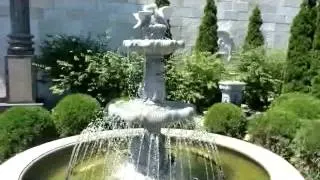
x=19 y=54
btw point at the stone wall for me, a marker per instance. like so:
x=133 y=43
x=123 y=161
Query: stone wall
x=80 y=17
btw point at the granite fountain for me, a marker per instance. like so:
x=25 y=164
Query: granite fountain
x=145 y=149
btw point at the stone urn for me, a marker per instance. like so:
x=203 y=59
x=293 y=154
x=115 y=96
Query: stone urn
x=232 y=91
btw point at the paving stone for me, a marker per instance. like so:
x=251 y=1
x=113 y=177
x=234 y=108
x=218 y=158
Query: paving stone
x=225 y=5
x=282 y=27
x=282 y=40
x=268 y=26
x=41 y=3
x=268 y=8
x=176 y=21
x=269 y=38
x=292 y=3
x=4 y=3
x=228 y=15
x=243 y=16
x=36 y=13
x=193 y=3
x=241 y=6
x=75 y=4
x=4 y=11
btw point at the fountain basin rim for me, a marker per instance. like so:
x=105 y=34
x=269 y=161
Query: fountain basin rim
x=277 y=167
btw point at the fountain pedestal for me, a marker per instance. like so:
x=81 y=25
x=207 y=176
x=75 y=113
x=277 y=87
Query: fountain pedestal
x=154 y=82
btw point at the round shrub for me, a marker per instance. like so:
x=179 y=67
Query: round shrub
x=307 y=150
x=307 y=138
x=24 y=127
x=275 y=130
x=226 y=119
x=305 y=106
x=275 y=122
x=73 y=113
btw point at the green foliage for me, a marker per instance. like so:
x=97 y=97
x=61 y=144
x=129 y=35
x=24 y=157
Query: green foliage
x=194 y=79
x=315 y=73
x=71 y=50
x=304 y=106
x=307 y=150
x=275 y=122
x=254 y=38
x=24 y=127
x=275 y=130
x=263 y=74
x=207 y=40
x=316 y=41
x=298 y=75
x=79 y=69
x=226 y=119
x=315 y=90
x=308 y=137
x=290 y=128
x=73 y=113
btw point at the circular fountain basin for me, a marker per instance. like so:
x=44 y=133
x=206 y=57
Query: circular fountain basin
x=156 y=47
x=19 y=166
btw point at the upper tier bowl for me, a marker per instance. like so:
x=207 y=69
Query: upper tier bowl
x=158 y=47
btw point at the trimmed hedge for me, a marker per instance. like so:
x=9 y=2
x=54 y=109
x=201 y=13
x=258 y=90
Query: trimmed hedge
x=24 y=127
x=308 y=137
x=226 y=119
x=73 y=113
x=275 y=122
x=305 y=106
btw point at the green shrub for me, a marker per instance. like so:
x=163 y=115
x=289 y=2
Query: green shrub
x=275 y=130
x=308 y=137
x=73 y=113
x=263 y=74
x=207 y=40
x=106 y=76
x=225 y=119
x=254 y=38
x=316 y=40
x=275 y=122
x=307 y=150
x=24 y=127
x=304 y=106
x=57 y=49
x=78 y=65
x=194 y=79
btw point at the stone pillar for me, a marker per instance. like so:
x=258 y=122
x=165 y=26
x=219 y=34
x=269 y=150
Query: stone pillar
x=20 y=39
x=231 y=91
x=19 y=54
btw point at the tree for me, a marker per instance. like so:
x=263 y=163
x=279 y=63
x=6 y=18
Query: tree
x=316 y=41
x=207 y=40
x=254 y=36
x=315 y=65
x=298 y=74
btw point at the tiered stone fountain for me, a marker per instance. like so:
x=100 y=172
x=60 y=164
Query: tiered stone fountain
x=151 y=110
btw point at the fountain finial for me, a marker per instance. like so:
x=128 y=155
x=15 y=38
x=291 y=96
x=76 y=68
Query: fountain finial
x=153 y=21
